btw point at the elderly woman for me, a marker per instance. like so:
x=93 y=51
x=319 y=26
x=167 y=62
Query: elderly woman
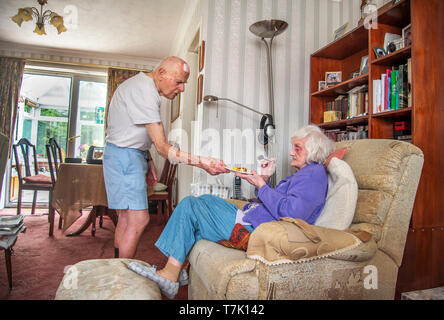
x=300 y=195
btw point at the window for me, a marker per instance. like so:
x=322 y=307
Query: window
x=62 y=103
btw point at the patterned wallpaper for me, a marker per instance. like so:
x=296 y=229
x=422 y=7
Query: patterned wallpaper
x=236 y=66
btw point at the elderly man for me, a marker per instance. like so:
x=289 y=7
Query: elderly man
x=133 y=126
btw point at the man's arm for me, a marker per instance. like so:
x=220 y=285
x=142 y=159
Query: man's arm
x=157 y=135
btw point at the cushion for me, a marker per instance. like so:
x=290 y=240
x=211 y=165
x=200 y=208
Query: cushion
x=339 y=153
x=294 y=240
x=39 y=178
x=342 y=195
x=159 y=187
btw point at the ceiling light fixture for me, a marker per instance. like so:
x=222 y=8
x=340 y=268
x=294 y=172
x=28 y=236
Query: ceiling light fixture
x=26 y=14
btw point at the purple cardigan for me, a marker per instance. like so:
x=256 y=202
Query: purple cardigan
x=300 y=195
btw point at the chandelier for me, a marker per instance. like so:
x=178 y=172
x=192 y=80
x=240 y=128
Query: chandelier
x=26 y=14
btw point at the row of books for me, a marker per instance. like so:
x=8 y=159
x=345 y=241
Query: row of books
x=350 y=133
x=392 y=90
x=352 y=104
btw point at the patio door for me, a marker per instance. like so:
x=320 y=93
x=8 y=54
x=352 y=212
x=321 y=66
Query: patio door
x=68 y=106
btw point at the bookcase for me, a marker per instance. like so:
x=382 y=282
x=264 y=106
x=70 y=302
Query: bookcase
x=424 y=252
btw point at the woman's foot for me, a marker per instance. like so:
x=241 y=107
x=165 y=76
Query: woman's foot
x=169 y=288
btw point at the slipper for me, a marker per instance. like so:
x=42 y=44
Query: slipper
x=168 y=288
x=183 y=277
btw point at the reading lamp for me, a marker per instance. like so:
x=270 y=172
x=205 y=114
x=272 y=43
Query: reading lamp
x=267 y=128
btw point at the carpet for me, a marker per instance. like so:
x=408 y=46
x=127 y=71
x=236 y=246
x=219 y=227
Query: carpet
x=39 y=261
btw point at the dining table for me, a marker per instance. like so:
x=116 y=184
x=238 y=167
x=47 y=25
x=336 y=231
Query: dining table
x=80 y=186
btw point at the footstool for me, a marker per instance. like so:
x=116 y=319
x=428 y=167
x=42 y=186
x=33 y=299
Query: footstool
x=106 y=279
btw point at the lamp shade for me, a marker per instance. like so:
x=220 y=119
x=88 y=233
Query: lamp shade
x=24 y=14
x=40 y=30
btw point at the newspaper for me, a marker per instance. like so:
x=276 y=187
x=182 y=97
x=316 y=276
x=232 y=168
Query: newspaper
x=11 y=221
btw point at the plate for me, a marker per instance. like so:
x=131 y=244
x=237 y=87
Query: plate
x=234 y=170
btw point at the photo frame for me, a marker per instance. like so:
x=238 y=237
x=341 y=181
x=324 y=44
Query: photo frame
x=201 y=52
x=322 y=85
x=407 y=35
x=353 y=74
x=341 y=31
x=333 y=78
x=379 y=52
x=363 y=69
x=199 y=89
x=175 y=107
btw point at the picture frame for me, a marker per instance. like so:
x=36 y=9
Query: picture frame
x=363 y=69
x=379 y=52
x=175 y=107
x=407 y=35
x=201 y=52
x=341 y=30
x=199 y=89
x=333 y=78
x=322 y=85
x=353 y=74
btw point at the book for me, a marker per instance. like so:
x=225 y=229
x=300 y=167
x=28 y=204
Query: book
x=403 y=86
x=387 y=89
x=393 y=89
x=376 y=95
x=409 y=82
x=382 y=97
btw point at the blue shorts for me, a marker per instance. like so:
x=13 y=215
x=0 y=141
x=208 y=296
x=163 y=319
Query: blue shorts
x=124 y=170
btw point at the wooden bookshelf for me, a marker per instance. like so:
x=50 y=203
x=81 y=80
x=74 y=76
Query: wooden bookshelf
x=423 y=258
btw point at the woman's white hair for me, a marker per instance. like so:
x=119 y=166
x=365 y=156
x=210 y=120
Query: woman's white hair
x=318 y=145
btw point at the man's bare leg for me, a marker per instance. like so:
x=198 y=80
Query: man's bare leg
x=130 y=227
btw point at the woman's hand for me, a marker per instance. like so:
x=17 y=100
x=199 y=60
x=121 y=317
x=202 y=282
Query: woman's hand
x=253 y=178
x=213 y=166
x=268 y=167
x=152 y=175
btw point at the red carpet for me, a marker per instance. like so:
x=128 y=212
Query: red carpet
x=39 y=260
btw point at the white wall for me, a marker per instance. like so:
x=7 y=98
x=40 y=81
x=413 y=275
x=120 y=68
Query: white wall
x=190 y=34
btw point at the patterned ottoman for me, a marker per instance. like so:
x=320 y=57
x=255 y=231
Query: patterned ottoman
x=106 y=279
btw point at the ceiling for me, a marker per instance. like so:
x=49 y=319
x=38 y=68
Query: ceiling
x=136 y=28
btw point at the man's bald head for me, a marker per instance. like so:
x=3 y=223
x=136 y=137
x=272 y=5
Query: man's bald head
x=174 y=65
x=170 y=76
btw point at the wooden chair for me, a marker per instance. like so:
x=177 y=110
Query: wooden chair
x=54 y=154
x=32 y=180
x=165 y=198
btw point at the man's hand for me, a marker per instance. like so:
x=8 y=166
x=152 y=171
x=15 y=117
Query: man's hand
x=213 y=166
x=253 y=178
x=152 y=175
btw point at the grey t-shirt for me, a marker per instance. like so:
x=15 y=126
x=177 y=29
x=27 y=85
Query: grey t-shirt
x=135 y=103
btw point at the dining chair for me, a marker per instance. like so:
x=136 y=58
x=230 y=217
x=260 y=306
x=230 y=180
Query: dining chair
x=165 y=197
x=54 y=155
x=30 y=179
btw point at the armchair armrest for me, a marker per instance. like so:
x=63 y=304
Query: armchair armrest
x=217 y=265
